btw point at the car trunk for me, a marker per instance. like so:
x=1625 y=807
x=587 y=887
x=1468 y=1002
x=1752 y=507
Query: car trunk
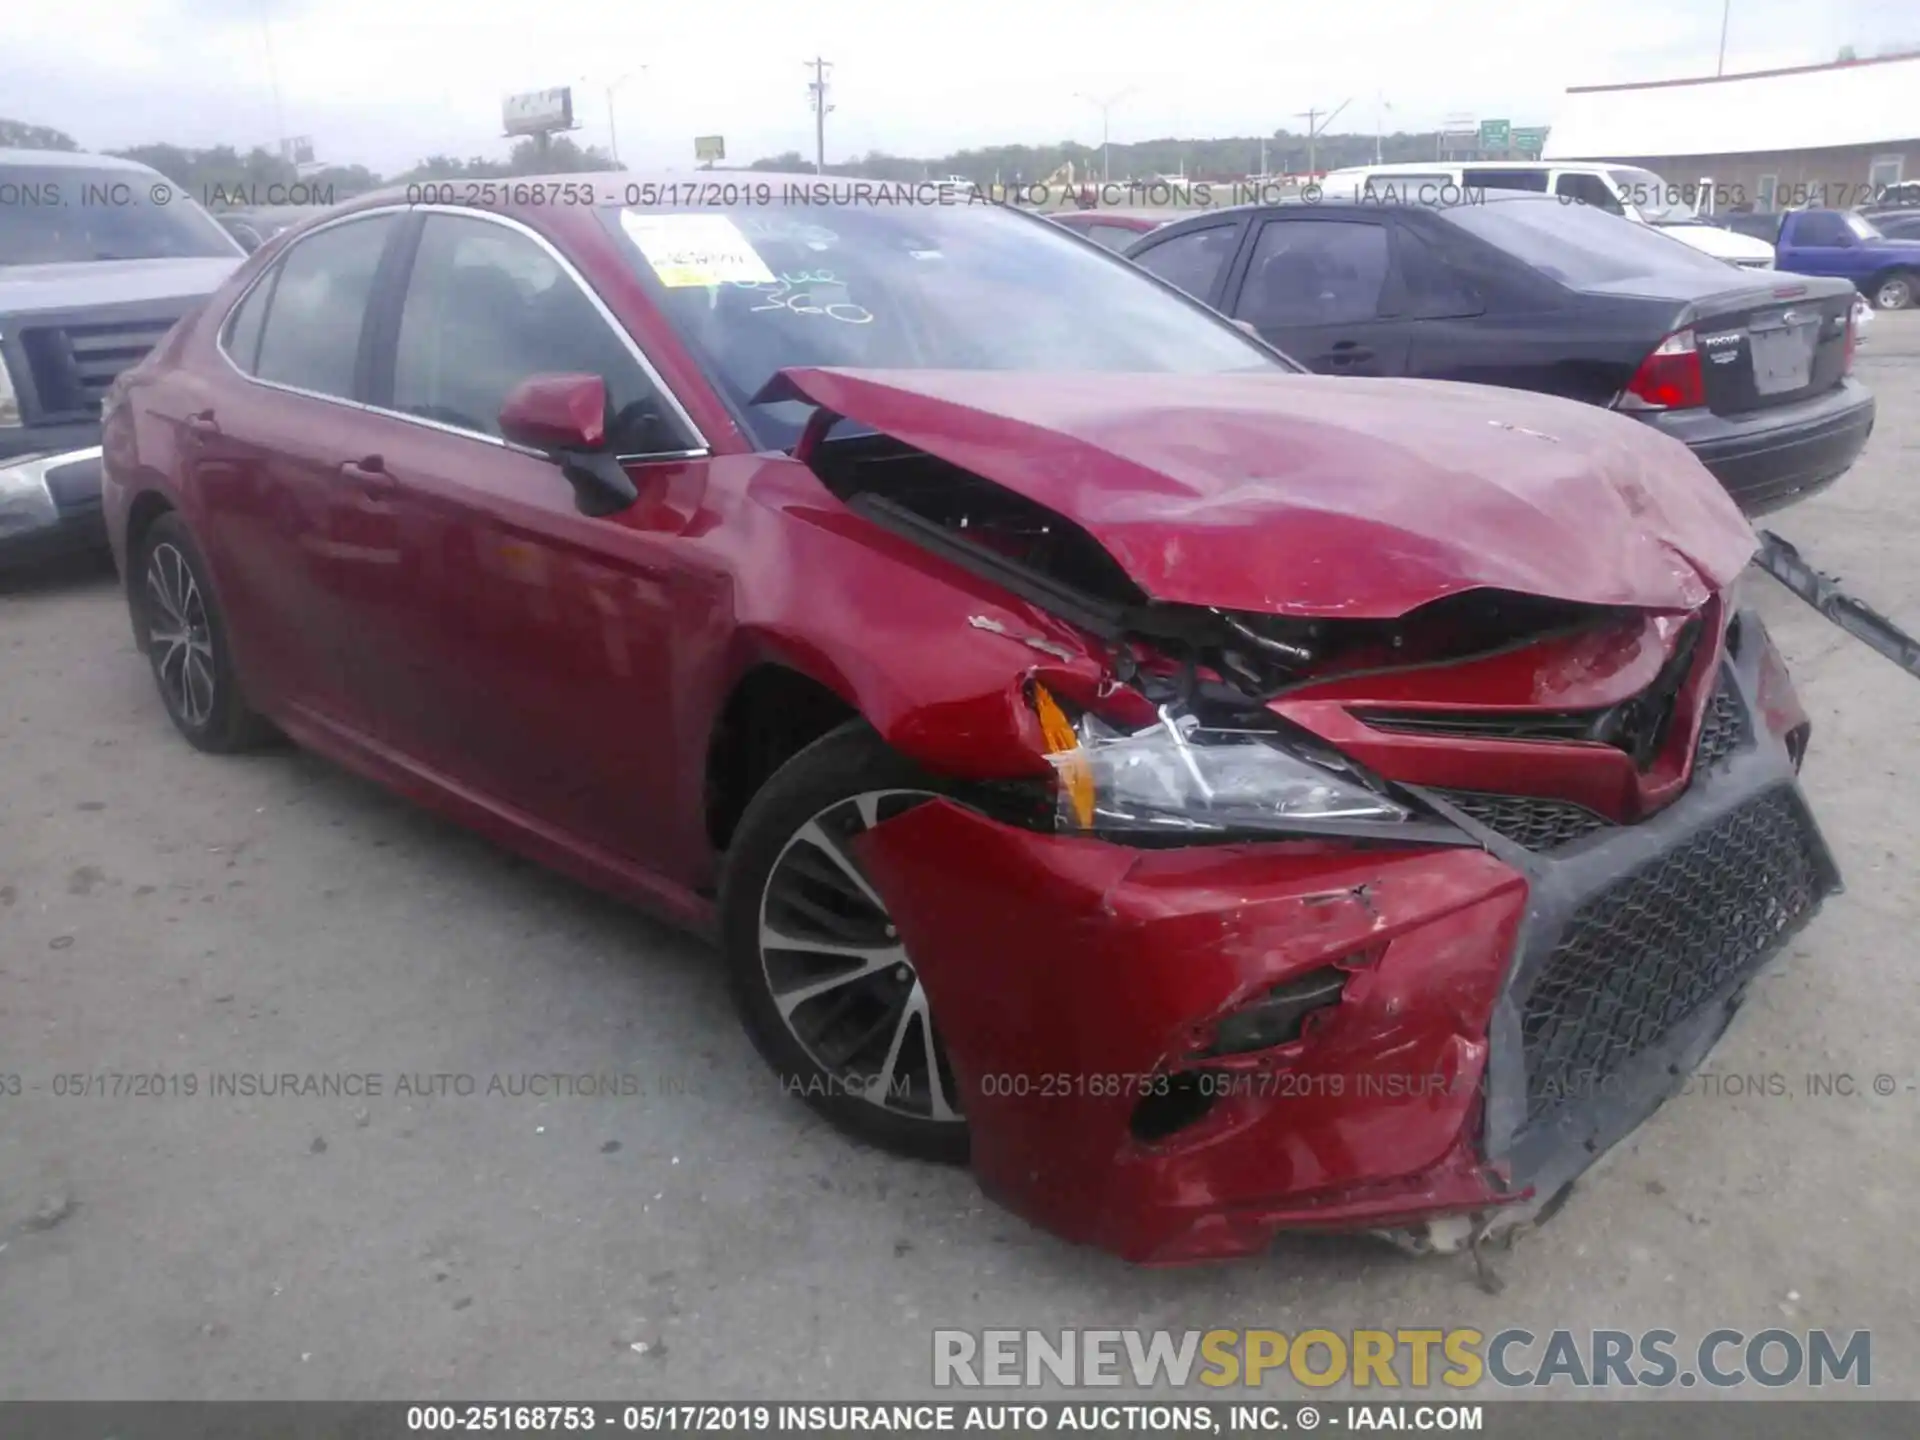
x=1775 y=351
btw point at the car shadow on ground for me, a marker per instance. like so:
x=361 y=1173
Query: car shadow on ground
x=58 y=575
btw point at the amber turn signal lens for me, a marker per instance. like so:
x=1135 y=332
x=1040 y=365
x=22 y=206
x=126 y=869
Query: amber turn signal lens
x=1063 y=749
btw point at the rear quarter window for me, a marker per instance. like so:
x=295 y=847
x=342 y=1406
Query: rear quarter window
x=311 y=338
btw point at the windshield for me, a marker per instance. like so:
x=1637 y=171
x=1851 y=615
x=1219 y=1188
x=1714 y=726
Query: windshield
x=1659 y=202
x=1579 y=246
x=753 y=291
x=50 y=214
x=1865 y=228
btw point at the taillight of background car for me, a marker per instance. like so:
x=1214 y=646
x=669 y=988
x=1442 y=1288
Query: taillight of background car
x=1668 y=379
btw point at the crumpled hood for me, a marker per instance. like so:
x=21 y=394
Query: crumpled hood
x=1317 y=496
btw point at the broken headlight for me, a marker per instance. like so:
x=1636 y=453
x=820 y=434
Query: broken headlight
x=1179 y=775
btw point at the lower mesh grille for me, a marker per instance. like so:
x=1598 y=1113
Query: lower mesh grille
x=1526 y=819
x=1641 y=957
x=1725 y=728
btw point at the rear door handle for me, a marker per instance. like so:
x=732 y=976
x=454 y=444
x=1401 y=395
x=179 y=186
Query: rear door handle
x=370 y=474
x=1346 y=352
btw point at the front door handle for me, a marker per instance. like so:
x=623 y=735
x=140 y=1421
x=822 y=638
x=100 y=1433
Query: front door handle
x=202 y=424
x=370 y=474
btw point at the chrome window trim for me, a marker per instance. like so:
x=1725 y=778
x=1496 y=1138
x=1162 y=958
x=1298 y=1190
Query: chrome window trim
x=701 y=449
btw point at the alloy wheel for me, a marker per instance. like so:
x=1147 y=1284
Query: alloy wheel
x=1894 y=294
x=178 y=635
x=839 y=975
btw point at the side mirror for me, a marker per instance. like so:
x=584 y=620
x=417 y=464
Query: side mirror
x=564 y=417
x=1247 y=325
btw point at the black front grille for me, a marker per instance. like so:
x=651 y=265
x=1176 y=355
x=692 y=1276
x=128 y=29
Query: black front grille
x=1725 y=729
x=1526 y=819
x=1642 y=956
x=73 y=365
x=1489 y=724
x=1636 y=725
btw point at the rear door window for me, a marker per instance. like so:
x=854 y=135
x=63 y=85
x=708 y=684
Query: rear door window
x=1436 y=288
x=311 y=337
x=1314 y=272
x=1194 y=261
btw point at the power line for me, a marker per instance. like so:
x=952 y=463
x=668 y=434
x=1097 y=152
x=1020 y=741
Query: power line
x=817 y=89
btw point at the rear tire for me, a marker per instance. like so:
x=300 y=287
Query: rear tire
x=184 y=635
x=821 y=980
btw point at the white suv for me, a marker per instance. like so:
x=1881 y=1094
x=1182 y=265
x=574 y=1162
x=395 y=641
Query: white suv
x=1624 y=190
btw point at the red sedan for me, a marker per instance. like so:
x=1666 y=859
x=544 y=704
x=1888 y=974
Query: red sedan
x=1213 y=798
x=1116 y=228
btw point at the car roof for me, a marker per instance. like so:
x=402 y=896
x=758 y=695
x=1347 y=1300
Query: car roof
x=611 y=184
x=72 y=160
x=1122 y=213
x=1427 y=167
x=1486 y=195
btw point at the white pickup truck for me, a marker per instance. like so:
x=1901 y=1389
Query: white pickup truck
x=1625 y=190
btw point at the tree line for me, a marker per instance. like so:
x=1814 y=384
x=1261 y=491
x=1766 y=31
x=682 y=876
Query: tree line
x=224 y=168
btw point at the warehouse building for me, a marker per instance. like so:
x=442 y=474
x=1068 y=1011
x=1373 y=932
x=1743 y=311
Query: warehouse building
x=1833 y=135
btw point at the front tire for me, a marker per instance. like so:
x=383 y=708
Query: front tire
x=821 y=979
x=1893 y=292
x=184 y=635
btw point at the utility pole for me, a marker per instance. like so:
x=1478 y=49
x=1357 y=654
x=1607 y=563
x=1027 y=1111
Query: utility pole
x=613 y=124
x=273 y=80
x=1106 y=104
x=1726 y=12
x=818 y=89
x=1379 y=124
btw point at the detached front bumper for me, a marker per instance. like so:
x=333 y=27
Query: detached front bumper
x=1769 y=459
x=50 y=505
x=1508 y=1014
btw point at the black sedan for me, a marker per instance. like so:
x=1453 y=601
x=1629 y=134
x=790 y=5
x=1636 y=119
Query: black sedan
x=1751 y=369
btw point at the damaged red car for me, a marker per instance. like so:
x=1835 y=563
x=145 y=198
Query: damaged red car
x=1213 y=799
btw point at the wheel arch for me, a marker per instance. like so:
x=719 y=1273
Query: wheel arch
x=953 y=720
x=773 y=710
x=146 y=507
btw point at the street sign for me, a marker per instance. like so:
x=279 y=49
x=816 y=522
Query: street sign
x=708 y=148
x=1531 y=139
x=1496 y=135
x=537 y=112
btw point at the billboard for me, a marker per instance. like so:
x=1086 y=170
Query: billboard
x=538 y=111
x=708 y=148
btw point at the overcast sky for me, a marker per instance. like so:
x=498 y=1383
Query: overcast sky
x=385 y=82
